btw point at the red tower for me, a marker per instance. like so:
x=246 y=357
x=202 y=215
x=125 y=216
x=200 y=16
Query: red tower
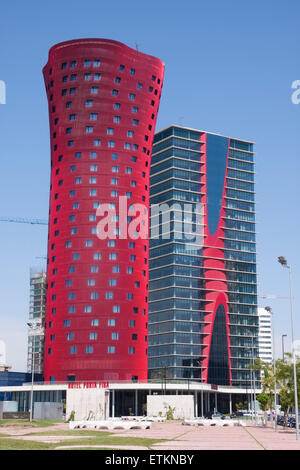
x=103 y=102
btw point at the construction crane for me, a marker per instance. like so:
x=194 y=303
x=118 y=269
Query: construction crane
x=21 y=220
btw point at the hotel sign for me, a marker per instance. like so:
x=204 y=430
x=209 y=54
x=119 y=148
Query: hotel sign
x=88 y=385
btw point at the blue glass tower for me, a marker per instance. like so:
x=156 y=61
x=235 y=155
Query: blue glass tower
x=203 y=321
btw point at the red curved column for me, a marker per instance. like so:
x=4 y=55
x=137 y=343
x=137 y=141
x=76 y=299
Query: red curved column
x=103 y=102
x=214 y=272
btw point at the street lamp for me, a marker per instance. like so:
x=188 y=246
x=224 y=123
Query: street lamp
x=252 y=377
x=33 y=326
x=268 y=309
x=283 y=262
x=282 y=341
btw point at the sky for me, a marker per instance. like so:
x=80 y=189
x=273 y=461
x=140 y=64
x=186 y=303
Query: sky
x=229 y=70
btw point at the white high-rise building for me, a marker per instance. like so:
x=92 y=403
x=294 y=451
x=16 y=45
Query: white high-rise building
x=265 y=346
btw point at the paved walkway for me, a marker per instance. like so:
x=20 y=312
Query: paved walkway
x=179 y=437
x=217 y=438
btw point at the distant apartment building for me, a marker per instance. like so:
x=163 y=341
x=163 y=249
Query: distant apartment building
x=37 y=307
x=265 y=349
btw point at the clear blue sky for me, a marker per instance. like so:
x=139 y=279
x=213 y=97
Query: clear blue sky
x=229 y=69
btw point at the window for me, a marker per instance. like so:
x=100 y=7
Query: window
x=87 y=76
x=73 y=350
x=129 y=296
x=97 y=256
x=97 y=142
x=94 y=269
x=117 y=106
x=116 y=309
x=73 y=63
x=76 y=256
x=115 y=336
x=97 y=76
x=89 y=102
x=130 y=133
x=94 y=116
x=109 y=295
x=131 y=350
x=96 y=63
x=64 y=65
x=89 y=129
x=135 y=122
x=116 y=269
x=117 y=80
x=95 y=322
x=139 y=86
x=114 y=181
x=87 y=63
x=131 y=96
x=127 y=146
x=111 y=322
x=94 y=295
x=117 y=119
x=88 y=243
x=68 y=104
x=91 y=282
x=122 y=68
x=67 y=322
x=87 y=309
x=93 y=154
x=93 y=192
x=78 y=155
x=131 y=323
x=111 y=349
x=109 y=130
x=112 y=282
x=73 y=76
x=94 y=90
x=72 y=309
x=134 y=109
x=111 y=143
x=72 y=91
x=70 y=336
x=89 y=349
x=115 y=92
x=93 y=335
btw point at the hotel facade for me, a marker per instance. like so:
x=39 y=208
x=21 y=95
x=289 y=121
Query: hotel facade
x=203 y=320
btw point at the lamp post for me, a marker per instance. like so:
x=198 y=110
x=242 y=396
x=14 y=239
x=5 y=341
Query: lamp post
x=283 y=262
x=34 y=325
x=252 y=380
x=268 y=309
x=282 y=341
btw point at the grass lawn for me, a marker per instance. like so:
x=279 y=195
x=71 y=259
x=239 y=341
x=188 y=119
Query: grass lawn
x=23 y=423
x=94 y=438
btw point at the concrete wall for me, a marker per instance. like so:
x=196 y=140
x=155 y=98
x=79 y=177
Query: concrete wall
x=183 y=404
x=90 y=404
x=48 y=410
